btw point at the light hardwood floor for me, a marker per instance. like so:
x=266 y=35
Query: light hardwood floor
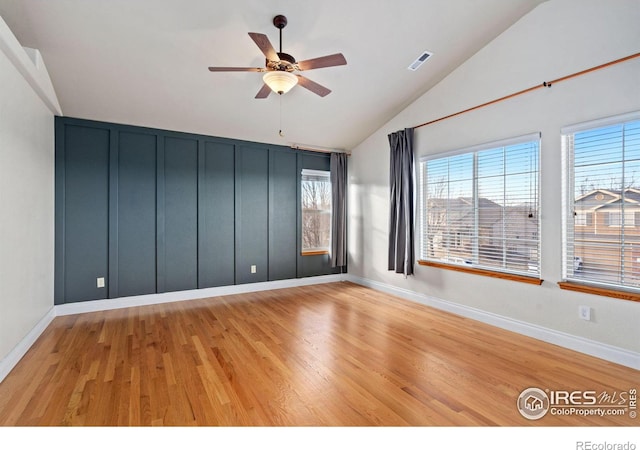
x=332 y=354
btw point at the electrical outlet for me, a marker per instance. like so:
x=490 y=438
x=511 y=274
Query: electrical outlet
x=584 y=312
x=100 y=282
x=253 y=269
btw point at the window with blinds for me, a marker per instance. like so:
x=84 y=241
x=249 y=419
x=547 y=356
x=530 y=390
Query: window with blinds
x=479 y=207
x=602 y=202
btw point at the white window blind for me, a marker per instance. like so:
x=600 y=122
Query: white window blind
x=480 y=207
x=602 y=182
x=316 y=210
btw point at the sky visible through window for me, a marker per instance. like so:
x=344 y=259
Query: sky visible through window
x=504 y=174
x=607 y=158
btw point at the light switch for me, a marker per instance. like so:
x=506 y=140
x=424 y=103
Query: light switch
x=100 y=282
x=253 y=269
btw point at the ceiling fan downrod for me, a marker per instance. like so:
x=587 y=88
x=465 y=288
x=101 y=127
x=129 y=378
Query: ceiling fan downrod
x=280 y=22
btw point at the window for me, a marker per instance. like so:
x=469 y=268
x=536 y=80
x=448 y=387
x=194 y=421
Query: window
x=602 y=173
x=583 y=219
x=615 y=219
x=316 y=211
x=479 y=207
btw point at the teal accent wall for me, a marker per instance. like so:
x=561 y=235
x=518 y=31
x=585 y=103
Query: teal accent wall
x=216 y=227
x=252 y=219
x=154 y=211
x=135 y=241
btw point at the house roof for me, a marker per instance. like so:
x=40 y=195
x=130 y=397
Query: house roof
x=600 y=198
x=461 y=211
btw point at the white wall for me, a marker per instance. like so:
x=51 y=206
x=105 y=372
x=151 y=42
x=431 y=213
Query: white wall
x=558 y=38
x=26 y=202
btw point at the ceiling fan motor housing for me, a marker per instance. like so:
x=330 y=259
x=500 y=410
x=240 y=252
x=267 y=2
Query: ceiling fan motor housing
x=287 y=63
x=286 y=57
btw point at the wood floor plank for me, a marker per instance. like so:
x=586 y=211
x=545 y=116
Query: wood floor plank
x=327 y=355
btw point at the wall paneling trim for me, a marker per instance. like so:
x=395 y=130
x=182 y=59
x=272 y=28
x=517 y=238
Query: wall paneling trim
x=144 y=211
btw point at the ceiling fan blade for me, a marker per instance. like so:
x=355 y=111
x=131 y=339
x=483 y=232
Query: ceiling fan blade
x=313 y=86
x=263 y=43
x=264 y=92
x=336 y=59
x=236 y=69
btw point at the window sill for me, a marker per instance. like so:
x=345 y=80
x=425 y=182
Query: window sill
x=576 y=287
x=483 y=272
x=314 y=252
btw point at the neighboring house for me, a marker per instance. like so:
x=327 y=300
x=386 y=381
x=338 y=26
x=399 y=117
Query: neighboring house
x=607 y=233
x=603 y=220
x=502 y=231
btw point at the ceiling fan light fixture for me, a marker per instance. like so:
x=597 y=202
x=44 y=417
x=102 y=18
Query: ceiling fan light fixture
x=279 y=66
x=280 y=81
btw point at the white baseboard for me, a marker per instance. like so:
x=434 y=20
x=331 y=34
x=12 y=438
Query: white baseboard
x=8 y=362
x=600 y=350
x=166 y=297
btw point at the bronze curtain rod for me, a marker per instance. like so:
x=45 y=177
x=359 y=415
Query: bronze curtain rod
x=547 y=84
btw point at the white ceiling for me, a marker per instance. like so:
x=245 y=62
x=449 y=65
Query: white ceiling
x=144 y=62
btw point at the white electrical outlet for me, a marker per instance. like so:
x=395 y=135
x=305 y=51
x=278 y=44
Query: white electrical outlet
x=100 y=282
x=584 y=312
x=253 y=269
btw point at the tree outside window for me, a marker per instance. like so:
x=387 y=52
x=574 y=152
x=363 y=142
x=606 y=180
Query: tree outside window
x=316 y=211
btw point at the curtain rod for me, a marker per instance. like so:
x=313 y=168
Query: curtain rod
x=547 y=84
x=317 y=149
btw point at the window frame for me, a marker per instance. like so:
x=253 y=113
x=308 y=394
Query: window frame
x=326 y=174
x=480 y=269
x=569 y=280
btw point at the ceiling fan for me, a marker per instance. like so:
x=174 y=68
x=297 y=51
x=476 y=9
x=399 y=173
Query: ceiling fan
x=279 y=68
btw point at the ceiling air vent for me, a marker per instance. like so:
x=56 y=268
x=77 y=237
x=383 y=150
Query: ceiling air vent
x=420 y=60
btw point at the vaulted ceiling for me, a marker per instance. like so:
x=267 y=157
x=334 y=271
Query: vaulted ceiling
x=144 y=62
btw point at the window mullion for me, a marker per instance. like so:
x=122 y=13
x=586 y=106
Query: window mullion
x=504 y=204
x=476 y=219
x=623 y=218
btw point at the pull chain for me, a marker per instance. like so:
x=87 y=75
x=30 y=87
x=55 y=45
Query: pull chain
x=280 y=131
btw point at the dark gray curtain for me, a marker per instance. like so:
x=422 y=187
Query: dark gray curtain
x=401 y=212
x=338 y=209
